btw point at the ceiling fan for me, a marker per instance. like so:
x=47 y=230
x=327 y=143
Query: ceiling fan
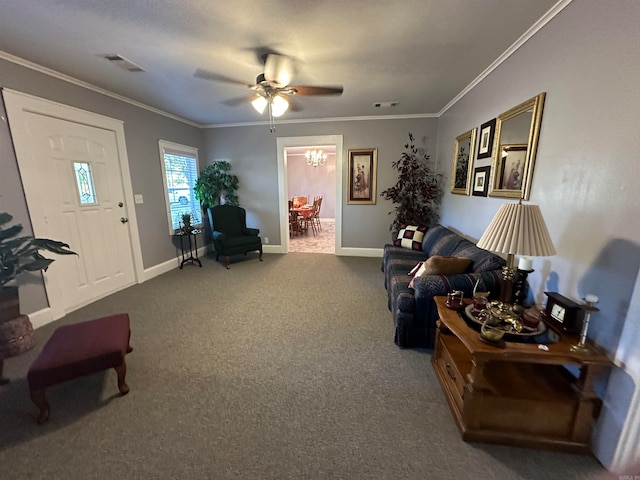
x=272 y=86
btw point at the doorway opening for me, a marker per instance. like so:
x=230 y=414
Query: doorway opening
x=311 y=186
x=286 y=153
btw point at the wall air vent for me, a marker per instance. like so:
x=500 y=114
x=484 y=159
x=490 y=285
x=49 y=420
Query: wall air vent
x=123 y=63
x=385 y=104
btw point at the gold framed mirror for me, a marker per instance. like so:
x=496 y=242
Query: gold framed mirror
x=463 y=154
x=515 y=147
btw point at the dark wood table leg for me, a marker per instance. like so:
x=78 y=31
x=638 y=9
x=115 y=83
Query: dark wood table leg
x=121 y=370
x=38 y=397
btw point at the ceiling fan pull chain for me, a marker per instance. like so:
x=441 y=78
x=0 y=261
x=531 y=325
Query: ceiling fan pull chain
x=272 y=121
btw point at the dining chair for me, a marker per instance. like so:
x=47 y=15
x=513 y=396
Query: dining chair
x=308 y=219
x=317 y=203
x=295 y=228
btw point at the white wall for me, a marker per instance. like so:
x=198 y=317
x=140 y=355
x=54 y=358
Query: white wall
x=586 y=175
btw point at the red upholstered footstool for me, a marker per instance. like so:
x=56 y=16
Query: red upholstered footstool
x=77 y=350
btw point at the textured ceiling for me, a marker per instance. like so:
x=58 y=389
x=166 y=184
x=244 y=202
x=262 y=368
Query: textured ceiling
x=420 y=53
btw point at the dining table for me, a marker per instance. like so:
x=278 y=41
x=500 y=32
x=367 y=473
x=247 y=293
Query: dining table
x=304 y=211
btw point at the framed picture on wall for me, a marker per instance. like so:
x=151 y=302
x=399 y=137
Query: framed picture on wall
x=485 y=142
x=513 y=159
x=480 y=181
x=463 y=156
x=362 y=167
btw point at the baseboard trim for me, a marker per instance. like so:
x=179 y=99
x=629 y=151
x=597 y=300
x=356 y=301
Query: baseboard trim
x=169 y=265
x=41 y=318
x=360 y=252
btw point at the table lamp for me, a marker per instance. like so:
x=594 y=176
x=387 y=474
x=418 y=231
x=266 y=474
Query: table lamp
x=517 y=229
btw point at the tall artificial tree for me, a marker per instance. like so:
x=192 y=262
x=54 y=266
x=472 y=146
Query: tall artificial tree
x=418 y=192
x=214 y=182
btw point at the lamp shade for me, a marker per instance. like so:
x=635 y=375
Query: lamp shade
x=518 y=229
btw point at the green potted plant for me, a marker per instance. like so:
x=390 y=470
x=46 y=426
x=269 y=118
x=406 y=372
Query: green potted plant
x=216 y=185
x=418 y=191
x=186 y=228
x=19 y=254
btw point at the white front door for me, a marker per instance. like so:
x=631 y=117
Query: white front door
x=72 y=178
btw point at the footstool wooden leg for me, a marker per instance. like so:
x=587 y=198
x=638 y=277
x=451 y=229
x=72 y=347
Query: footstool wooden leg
x=121 y=370
x=38 y=397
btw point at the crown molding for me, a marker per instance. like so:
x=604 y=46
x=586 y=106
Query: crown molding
x=61 y=76
x=524 y=38
x=321 y=120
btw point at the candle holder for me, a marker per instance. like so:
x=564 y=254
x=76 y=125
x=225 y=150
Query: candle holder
x=588 y=307
x=520 y=286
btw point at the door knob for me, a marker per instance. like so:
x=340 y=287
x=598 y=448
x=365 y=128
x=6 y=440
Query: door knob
x=124 y=220
x=120 y=204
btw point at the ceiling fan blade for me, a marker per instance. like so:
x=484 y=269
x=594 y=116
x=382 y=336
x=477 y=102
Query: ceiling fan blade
x=207 y=75
x=305 y=90
x=278 y=68
x=234 y=102
x=294 y=106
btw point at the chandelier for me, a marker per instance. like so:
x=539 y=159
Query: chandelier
x=315 y=157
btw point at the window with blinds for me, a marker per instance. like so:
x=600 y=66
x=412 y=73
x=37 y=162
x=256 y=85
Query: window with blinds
x=180 y=168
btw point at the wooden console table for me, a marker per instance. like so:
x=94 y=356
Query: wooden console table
x=518 y=395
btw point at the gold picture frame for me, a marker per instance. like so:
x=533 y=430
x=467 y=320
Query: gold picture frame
x=362 y=173
x=517 y=135
x=463 y=159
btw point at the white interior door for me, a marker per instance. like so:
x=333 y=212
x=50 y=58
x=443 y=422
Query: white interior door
x=71 y=173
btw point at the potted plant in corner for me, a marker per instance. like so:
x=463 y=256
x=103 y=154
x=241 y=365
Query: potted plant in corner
x=216 y=186
x=19 y=254
x=418 y=191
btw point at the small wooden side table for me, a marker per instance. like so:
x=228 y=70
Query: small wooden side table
x=519 y=395
x=190 y=250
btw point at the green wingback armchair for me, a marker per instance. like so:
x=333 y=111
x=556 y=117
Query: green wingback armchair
x=230 y=233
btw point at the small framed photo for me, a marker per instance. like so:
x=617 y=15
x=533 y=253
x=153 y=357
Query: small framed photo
x=362 y=176
x=485 y=142
x=513 y=159
x=480 y=181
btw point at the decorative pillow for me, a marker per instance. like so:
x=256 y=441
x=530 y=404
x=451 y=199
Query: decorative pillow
x=410 y=236
x=438 y=265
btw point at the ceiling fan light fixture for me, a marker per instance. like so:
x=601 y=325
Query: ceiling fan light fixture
x=279 y=106
x=259 y=103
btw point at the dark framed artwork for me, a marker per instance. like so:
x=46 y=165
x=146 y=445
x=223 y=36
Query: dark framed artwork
x=362 y=167
x=513 y=159
x=485 y=141
x=480 y=181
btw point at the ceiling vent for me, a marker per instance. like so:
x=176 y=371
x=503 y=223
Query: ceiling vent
x=123 y=63
x=385 y=104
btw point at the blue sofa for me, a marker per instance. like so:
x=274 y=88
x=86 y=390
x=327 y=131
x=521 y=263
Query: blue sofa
x=414 y=311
